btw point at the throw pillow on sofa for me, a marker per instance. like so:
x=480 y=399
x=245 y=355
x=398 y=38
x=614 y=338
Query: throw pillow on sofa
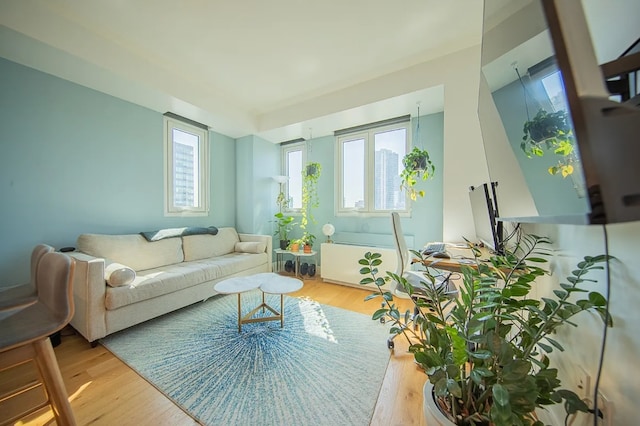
x=116 y=274
x=250 y=247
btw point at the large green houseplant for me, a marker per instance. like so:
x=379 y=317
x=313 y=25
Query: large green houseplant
x=551 y=132
x=417 y=166
x=485 y=352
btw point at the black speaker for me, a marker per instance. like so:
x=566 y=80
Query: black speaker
x=312 y=269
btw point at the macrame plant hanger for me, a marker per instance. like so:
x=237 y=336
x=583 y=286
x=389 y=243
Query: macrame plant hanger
x=418 y=142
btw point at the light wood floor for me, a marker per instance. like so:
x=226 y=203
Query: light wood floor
x=104 y=391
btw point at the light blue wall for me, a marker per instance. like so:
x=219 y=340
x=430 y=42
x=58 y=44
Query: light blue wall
x=258 y=161
x=74 y=160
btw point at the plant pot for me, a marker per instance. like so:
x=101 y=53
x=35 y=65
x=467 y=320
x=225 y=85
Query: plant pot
x=420 y=164
x=284 y=244
x=307 y=248
x=539 y=136
x=295 y=247
x=311 y=169
x=432 y=413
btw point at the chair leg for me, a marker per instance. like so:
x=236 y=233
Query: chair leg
x=48 y=365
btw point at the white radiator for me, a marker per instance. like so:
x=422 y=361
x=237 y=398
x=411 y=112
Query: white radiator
x=340 y=263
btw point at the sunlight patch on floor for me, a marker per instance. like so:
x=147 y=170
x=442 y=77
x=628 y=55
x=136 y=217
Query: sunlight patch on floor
x=315 y=322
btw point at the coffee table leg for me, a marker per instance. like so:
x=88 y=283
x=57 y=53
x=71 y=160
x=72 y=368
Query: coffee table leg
x=239 y=314
x=281 y=311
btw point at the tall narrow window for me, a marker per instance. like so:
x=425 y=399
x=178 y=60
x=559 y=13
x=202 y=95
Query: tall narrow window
x=293 y=158
x=186 y=156
x=370 y=163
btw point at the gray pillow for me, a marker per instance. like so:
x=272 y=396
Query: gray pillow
x=178 y=232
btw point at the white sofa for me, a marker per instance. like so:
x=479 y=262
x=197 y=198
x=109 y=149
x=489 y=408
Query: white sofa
x=123 y=280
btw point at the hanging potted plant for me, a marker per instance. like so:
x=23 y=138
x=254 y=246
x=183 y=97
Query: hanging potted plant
x=310 y=199
x=551 y=132
x=417 y=166
x=485 y=352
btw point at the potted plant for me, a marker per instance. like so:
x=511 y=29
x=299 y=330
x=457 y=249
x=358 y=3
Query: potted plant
x=485 y=352
x=308 y=240
x=284 y=225
x=294 y=245
x=553 y=132
x=310 y=199
x=417 y=165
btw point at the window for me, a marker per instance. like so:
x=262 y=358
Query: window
x=369 y=165
x=186 y=157
x=293 y=159
x=552 y=84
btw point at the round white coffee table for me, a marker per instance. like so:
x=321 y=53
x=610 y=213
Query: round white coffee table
x=268 y=283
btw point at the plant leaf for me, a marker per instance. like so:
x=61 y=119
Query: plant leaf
x=500 y=395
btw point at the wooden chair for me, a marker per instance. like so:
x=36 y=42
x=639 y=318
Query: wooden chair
x=24 y=331
x=26 y=293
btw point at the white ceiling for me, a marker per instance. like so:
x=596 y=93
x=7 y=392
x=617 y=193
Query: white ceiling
x=279 y=69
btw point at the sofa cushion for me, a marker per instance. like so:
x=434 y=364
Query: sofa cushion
x=117 y=274
x=132 y=250
x=169 y=279
x=198 y=247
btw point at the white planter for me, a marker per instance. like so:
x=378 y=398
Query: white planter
x=432 y=414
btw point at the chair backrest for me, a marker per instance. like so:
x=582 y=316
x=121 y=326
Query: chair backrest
x=36 y=255
x=404 y=260
x=54 y=278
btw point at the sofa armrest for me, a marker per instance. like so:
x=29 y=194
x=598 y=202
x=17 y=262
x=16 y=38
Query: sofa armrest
x=261 y=238
x=89 y=293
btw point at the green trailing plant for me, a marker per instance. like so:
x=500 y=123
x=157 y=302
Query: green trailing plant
x=282 y=201
x=417 y=165
x=551 y=132
x=486 y=351
x=310 y=199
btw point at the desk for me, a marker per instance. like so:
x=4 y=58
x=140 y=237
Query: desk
x=455 y=262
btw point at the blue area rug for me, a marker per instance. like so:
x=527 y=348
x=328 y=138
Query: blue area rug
x=325 y=367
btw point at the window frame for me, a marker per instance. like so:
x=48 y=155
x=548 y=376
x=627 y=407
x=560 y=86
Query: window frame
x=368 y=134
x=286 y=148
x=170 y=209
